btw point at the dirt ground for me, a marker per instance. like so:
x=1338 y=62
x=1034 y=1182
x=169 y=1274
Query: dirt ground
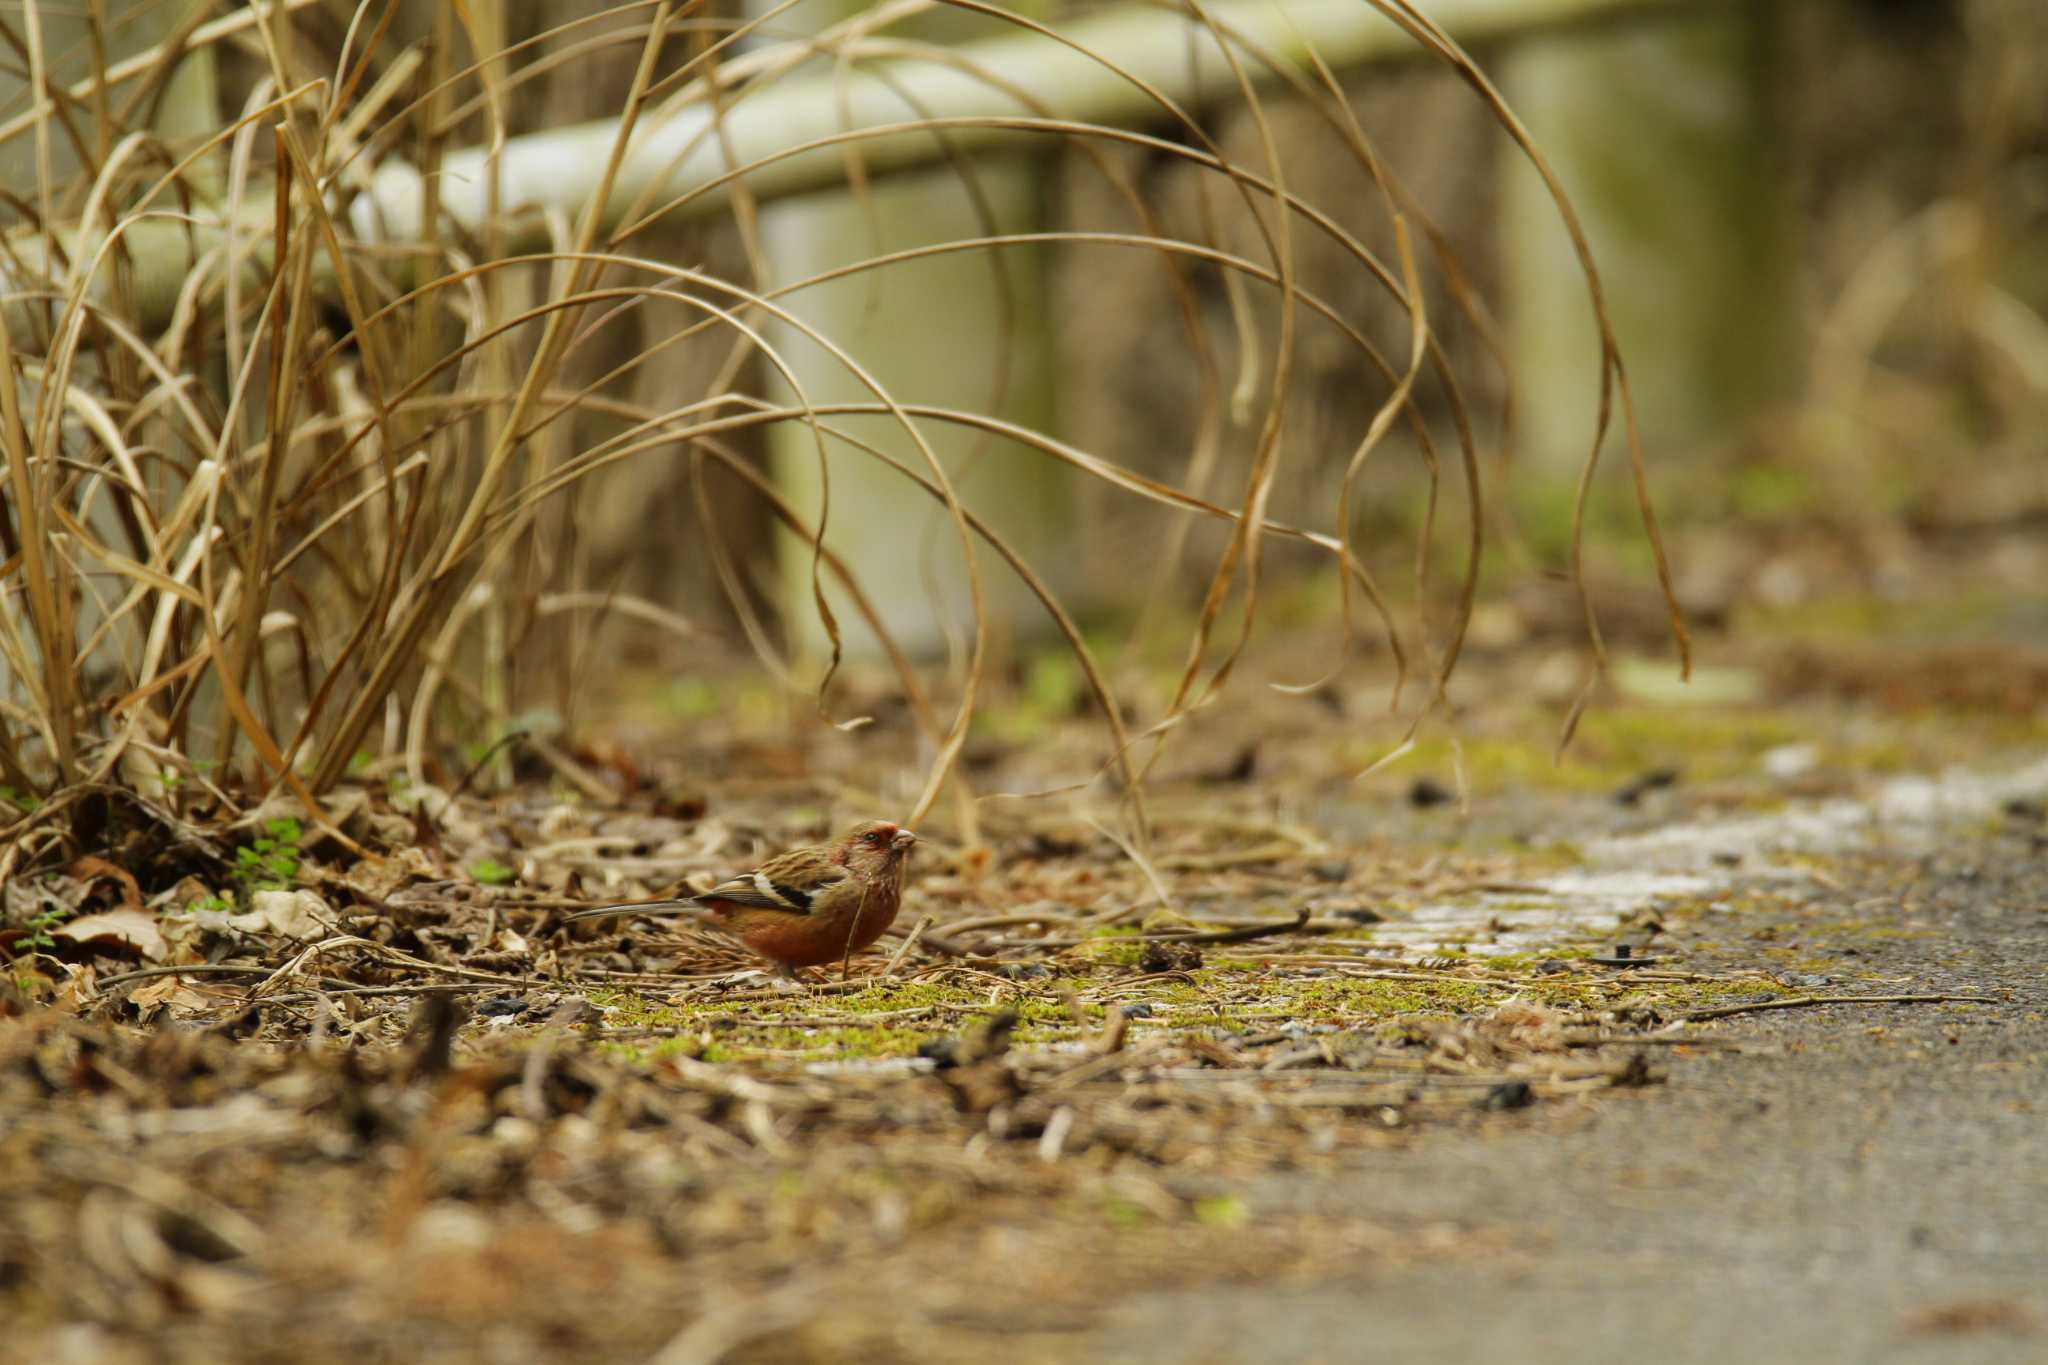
x=1543 y=1077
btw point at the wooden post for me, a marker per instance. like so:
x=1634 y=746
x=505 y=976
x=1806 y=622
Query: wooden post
x=954 y=330
x=1662 y=132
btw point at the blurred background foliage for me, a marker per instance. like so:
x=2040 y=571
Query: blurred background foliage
x=337 y=492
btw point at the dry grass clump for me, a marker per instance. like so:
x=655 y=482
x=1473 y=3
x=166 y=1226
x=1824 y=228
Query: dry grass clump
x=302 y=406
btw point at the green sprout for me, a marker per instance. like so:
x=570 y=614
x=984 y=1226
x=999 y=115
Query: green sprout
x=491 y=872
x=271 y=861
x=42 y=923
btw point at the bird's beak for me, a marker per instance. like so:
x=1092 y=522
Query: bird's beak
x=903 y=840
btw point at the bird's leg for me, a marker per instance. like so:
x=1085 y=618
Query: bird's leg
x=786 y=979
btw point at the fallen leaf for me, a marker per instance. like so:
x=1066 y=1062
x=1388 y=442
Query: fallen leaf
x=77 y=989
x=1963 y=1317
x=134 y=929
x=154 y=992
x=88 y=868
x=294 y=914
x=172 y=993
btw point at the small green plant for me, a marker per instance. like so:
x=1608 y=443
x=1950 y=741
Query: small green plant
x=1125 y=1215
x=40 y=925
x=490 y=872
x=24 y=803
x=271 y=861
x=1222 y=1211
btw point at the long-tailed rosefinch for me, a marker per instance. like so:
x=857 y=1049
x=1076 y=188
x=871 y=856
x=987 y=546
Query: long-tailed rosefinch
x=809 y=906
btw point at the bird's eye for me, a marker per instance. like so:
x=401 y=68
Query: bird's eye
x=873 y=836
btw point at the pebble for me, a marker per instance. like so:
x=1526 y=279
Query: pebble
x=1509 y=1095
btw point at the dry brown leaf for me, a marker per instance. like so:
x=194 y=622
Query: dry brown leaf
x=1524 y=1025
x=151 y=996
x=130 y=928
x=89 y=868
x=79 y=987
x=293 y=914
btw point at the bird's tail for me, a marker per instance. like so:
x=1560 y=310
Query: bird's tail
x=681 y=906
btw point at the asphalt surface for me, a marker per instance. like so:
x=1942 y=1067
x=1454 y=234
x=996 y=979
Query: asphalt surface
x=1856 y=1183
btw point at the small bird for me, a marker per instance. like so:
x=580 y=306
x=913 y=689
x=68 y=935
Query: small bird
x=812 y=905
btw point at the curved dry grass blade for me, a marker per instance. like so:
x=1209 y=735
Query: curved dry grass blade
x=555 y=321
x=146 y=64
x=1070 y=630
x=1613 y=375
x=49 y=614
x=728 y=576
x=354 y=723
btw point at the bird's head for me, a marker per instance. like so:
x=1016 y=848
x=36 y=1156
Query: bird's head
x=875 y=846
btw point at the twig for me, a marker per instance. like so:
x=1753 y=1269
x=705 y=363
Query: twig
x=533 y=1077
x=1435 y=978
x=107 y=983
x=389 y=955
x=718 y=1333
x=1317 y=924
x=1007 y=922
x=859 y=983
x=1054 y=1139
x=413 y=988
x=1277 y=851
x=1115 y=1024
x=1108 y=1062
x=909 y=943
x=1801 y=1001
x=1652 y=1040
x=509 y=737
x=940 y=943
x=785 y=1021
x=1244 y=935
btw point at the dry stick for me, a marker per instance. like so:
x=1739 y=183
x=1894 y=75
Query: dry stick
x=1242 y=935
x=1108 y=1062
x=389 y=955
x=200 y=969
x=1245 y=935
x=1317 y=924
x=948 y=947
x=1655 y=1040
x=1801 y=1001
x=1437 y=978
x=592 y=976
x=1011 y=922
x=500 y=902
x=909 y=942
x=510 y=737
x=1274 y=852
x=785 y=1021
x=820 y=988
x=1115 y=1024
x=415 y=988
x=715 y=1335
x=532 y=1100
x=853 y=926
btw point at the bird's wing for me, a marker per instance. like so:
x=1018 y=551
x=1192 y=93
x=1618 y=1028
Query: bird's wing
x=761 y=890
